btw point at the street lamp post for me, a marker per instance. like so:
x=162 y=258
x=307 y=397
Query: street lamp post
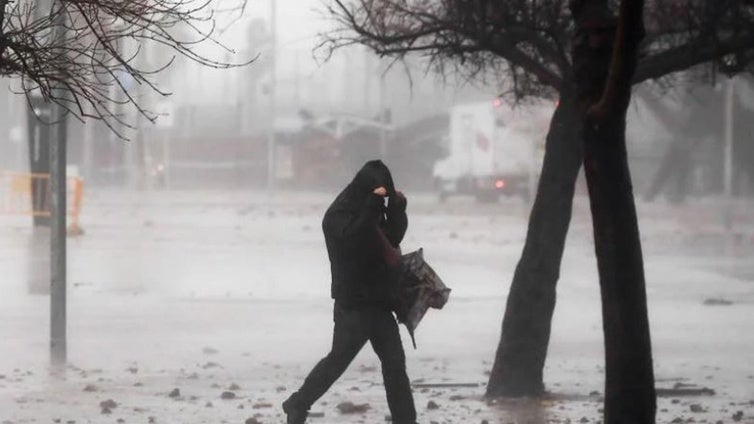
x=728 y=152
x=272 y=94
x=58 y=301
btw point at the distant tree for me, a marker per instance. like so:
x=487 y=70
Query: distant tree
x=695 y=141
x=83 y=54
x=527 y=44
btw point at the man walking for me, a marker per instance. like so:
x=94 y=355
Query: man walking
x=362 y=237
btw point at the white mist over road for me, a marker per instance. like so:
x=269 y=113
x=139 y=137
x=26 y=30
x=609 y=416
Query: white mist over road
x=199 y=290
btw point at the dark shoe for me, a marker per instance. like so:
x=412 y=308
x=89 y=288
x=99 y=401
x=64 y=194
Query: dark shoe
x=294 y=414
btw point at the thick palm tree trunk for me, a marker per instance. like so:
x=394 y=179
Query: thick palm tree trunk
x=521 y=352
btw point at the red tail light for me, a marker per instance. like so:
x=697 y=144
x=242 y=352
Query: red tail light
x=499 y=184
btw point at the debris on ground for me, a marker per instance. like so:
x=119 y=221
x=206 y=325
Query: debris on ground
x=352 y=408
x=717 y=302
x=91 y=388
x=107 y=406
x=683 y=389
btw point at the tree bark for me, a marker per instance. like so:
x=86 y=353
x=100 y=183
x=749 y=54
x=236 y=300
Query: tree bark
x=598 y=117
x=629 y=385
x=603 y=72
x=521 y=352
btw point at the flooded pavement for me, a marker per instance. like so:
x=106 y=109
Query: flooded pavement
x=211 y=293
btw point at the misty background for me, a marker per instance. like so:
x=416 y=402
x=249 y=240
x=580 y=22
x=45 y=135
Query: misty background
x=202 y=261
x=328 y=116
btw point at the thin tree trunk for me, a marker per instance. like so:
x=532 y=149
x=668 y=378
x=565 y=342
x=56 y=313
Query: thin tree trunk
x=603 y=70
x=629 y=385
x=521 y=352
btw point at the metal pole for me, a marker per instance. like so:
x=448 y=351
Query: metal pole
x=728 y=152
x=58 y=348
x=297 y=81
x=88 y=135
x=532 y=186
x=383 y=118
x=273 y=113
x=367 y=82
x=166 y=139
x=58 y=345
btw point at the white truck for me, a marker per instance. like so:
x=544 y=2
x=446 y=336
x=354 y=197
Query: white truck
x=493 y=150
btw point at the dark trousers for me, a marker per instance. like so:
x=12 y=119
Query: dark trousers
x=353 y=327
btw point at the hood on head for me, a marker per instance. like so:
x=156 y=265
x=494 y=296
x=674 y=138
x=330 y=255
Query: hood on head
x=372 y=175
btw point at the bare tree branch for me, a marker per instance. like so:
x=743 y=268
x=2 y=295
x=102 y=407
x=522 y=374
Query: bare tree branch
x=527 y=42
x=687 y=56
x=630 y=32
x=97 y=61
x=469 y=34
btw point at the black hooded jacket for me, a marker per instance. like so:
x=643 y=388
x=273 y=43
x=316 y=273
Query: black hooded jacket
x=360 y=271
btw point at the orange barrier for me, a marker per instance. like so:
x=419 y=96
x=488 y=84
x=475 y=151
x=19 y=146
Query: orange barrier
x=29 y=194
